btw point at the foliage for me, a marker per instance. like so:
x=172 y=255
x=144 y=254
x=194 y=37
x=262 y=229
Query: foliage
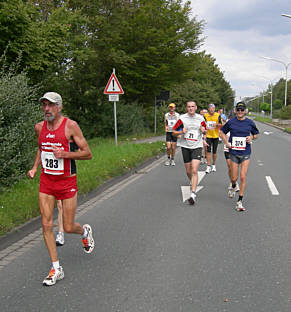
x=130 y=119
x=266 y=107
x=18 y=114
x=277 y=104
x=207 y=85
x=285 y=112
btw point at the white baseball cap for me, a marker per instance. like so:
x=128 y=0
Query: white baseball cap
x=52 y=97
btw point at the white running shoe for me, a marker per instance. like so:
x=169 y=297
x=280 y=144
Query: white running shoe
x=192 y=199
x=54 y=276
x=208 y=169
x=213 y=168
x=239 y=206
x=60 y=239
x=231 y=193
x=167 y=163
x=88 y=242
x=237 y=188
x=230 y=186
x=173 y=162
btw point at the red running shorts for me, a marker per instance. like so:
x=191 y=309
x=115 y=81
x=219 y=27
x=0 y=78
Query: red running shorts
x=58 y=186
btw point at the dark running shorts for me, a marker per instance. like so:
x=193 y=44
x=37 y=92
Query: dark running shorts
x=226 y=155
x=212 y=142
x=59 y=187
x=170 y=137
x=238 y=159
x=190 y=154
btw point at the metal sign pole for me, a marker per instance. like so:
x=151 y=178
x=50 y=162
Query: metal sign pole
x=115 y=123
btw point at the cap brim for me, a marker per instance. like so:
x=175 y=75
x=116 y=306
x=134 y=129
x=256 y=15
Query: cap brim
x=47 y=98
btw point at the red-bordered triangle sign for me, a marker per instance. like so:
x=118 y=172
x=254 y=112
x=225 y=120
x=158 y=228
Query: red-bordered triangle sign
x=113 y=86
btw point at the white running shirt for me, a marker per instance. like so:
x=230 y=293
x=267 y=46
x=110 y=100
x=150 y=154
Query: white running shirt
x=193 y=138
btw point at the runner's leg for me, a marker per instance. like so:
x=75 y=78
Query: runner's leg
x=228 y=168
x=168 y=149
x=194 y=166
x=213 y=159
x=60 y=216
x=243 y=176
x=234 y=171
x=173 y=147
x=47 y=204
x=188 y=168
x=69 y=211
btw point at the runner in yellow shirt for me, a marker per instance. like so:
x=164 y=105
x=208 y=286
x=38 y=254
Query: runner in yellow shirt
x=213 y=123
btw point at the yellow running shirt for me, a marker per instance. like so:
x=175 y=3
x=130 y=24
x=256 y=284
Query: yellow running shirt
x=212 y=122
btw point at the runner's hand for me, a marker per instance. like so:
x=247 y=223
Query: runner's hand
x=228 y=145
x=31 y=173
x=58 y=152
x=249 y=139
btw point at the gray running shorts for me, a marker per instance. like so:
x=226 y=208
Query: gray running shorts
x=239 y=158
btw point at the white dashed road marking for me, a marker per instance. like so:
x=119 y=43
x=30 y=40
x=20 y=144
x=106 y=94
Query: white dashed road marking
x=272 y=186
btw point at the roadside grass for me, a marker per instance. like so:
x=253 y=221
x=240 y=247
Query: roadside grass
x=269 y=120
x=19 y=203
x=263 y=119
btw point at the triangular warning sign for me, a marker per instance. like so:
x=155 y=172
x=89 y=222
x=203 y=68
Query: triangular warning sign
x=113 y=86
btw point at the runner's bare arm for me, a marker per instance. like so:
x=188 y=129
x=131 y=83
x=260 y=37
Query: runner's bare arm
x=32 y=172
x=166 y=125
x=224 y=139
x=74 y=132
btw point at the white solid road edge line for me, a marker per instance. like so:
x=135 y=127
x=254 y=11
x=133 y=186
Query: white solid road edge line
x=272 y=186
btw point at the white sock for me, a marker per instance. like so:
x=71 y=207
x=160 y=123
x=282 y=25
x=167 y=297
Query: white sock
x=56 y=265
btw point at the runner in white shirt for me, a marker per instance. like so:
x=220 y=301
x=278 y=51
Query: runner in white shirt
x=192 y=128
x=170 y=119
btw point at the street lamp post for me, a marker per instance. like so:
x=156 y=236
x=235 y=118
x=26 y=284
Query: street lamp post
x=286 y=71
x=271 y=108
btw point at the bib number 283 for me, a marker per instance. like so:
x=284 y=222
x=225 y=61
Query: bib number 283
x=51 y=164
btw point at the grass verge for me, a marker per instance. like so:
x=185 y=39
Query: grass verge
x=19 y=203
x=263 y=119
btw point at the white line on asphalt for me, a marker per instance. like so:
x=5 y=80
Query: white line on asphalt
x=272 y=186
x=186 y=189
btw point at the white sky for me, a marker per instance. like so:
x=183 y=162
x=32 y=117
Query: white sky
x=239 y=33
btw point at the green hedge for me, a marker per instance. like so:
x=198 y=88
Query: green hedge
x=19 y=111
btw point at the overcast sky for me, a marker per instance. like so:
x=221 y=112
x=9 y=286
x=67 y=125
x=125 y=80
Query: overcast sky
x=239 y=33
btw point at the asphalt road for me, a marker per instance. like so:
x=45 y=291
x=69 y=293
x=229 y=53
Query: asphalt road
x=155 y=253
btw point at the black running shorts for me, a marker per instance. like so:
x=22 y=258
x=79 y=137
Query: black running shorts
x=190 y=154
x=170 y=137
x=212 y=144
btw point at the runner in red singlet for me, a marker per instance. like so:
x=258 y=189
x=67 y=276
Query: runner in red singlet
x=58 y=136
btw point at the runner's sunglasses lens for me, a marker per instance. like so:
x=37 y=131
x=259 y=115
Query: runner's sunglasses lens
x=240 y=109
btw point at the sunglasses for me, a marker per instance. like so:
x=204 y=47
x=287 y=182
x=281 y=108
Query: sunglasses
x=240 y=109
